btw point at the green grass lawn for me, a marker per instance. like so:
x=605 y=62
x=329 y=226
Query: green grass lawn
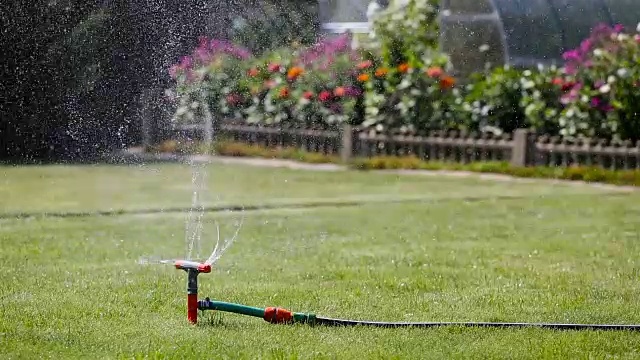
x=459 y=250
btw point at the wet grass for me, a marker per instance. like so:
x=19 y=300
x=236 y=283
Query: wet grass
x=72 y=288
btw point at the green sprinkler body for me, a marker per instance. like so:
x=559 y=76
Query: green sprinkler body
x=271 y=314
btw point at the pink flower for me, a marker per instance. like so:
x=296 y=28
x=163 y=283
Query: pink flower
x=572 y=55
x=273 y=67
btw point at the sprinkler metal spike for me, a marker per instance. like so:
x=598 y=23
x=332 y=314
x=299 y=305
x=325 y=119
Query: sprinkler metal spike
x=193 y=269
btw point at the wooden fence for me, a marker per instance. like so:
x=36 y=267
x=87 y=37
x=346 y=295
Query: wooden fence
x=521 y=148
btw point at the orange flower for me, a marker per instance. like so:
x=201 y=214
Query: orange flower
x=403 y=68
x=294 y=72
x=365 y=64
x=339 y=91
x=253 y=72
x=284 y=92
x=363 y=77
x=434 y=72
x=381 y=72
x=447 y=82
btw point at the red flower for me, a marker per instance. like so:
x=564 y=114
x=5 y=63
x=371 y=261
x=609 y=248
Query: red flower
x=568 y=86
x=274 y=67
x=324 y=95
x=233 y=99
x=557 y=81
x=447 y=82
x=307 y=95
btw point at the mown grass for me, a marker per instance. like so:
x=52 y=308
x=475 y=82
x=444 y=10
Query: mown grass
x=72 y=287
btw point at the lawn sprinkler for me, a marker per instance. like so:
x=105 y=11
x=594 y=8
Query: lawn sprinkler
x=275 y=315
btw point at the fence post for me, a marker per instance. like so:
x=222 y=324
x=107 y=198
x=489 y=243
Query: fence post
x=523 y=148
x=346 y=144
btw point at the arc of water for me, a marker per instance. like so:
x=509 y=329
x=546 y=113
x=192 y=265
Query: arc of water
x=219 y=250
x=193 y=227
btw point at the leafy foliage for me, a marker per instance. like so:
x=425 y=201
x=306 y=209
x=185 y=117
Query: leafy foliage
x=604 y=100
x=506 y=99
x=399 y=81
x=269 y=25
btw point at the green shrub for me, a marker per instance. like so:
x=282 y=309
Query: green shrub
x=506 y=99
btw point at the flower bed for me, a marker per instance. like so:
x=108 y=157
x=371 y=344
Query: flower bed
x=400 y=82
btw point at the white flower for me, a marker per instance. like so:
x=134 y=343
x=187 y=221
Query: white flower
x=598 y=52
x=622 y=72
x=528 y=84
x=304 y=101
x=484 y=48
x=611 y=79
x=405 y=83
x=622 y=37
x=638 y=28
x=605 y=88
x=537 y=94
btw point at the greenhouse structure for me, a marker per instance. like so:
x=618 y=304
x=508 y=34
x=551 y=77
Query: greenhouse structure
x=515 y=32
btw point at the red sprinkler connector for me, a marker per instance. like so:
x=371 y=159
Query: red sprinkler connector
x=192 y=265
x=193 y=269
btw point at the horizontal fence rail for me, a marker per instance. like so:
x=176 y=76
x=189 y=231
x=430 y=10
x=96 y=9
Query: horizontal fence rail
x=321 y=141
x=553 y=151
x=451 y=147
x=522 y=148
